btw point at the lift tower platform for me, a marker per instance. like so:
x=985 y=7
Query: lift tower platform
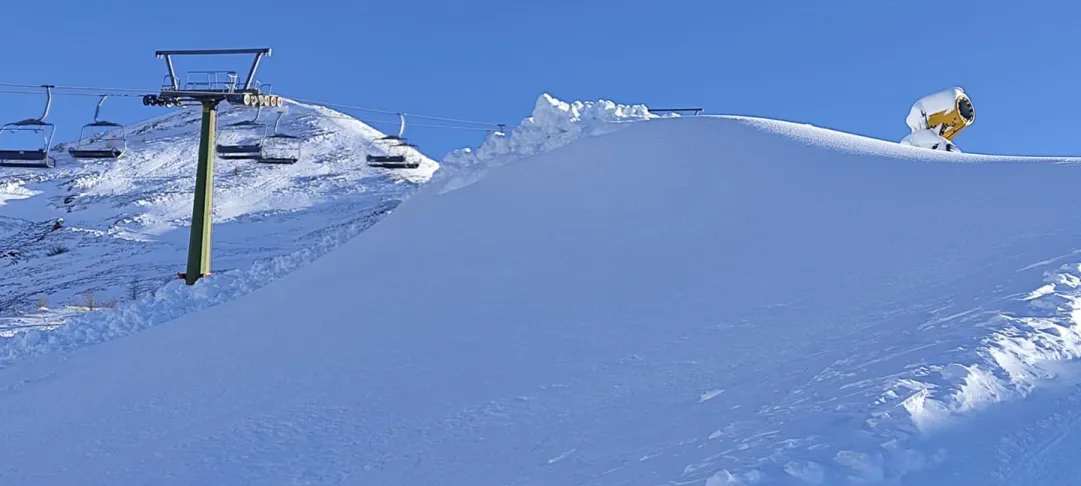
x=209 y=89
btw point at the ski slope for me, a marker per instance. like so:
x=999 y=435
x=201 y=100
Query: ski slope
x=707 y=301
x=124 y=229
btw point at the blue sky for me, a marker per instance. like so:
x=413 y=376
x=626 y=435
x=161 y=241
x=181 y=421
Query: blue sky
x=851 y=65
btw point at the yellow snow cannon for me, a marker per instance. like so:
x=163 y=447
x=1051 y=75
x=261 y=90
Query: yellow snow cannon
x=945 y=113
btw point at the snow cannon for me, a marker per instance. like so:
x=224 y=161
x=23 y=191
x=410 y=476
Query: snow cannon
x=937 y=118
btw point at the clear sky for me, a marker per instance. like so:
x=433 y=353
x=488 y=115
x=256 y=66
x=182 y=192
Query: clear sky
x=851 y=65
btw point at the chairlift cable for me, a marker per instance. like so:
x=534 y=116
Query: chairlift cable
x=92 y=95
x=385 y=112
x=97 y=91
x=76 y=88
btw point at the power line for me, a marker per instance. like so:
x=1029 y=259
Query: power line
x=385 y=112
x=96 y=91
x=58 y=89
x=75 y=88
x=396 y=122
x=93 y=95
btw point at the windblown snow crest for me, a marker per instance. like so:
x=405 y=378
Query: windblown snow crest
x=1029 y=348
x=552 y=124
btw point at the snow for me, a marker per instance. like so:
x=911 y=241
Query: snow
x=552 y=124
x=870 y=311
x=810 y=472
x=125 y=222
x=709 y=395
x=11 y=191
x=928 y=139
x=304 y=210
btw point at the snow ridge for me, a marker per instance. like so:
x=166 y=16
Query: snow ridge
x=1025 y=351
x=552 y=124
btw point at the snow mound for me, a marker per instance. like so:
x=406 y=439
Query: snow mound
x=771 y=304
x=552 y=124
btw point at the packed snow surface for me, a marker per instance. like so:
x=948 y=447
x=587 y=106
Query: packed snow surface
x=929 y=139
x=124 y=232
x=707 y=301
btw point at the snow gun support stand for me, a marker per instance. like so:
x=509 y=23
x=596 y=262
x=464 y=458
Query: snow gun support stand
x=208 y=89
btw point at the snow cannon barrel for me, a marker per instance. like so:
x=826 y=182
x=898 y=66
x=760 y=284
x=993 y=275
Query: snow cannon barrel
x=945 y=113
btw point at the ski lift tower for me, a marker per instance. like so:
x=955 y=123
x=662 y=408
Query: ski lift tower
x=208 y=89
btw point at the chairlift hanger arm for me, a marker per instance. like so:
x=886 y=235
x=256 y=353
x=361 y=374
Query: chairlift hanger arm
x=97 y=110
x=208 y=52
x=254 y=66
x=277 y=121
x=48 y=102
x=248 y=80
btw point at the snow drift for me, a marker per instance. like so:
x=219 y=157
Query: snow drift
x=552 y=124
x=687 y=301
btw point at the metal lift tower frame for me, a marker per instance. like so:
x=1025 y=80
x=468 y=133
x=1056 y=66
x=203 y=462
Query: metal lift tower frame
x=208 y=94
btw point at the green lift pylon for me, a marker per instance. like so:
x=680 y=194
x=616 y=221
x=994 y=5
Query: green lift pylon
x=208 y=89
x=201 y=215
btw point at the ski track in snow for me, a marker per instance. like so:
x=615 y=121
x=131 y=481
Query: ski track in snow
x=888 y=400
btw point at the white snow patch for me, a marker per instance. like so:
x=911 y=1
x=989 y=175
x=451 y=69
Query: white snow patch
x=809 y=471
x=561 y=457
x=1013 y=360
x=866 y=467
x=710 y=395
x=725 y=478
x=14 y=190
x=552 y=124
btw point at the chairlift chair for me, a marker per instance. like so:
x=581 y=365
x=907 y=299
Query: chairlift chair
x=32 y=158
x=243 y=151
x=280 y=148
x=395 y=149
x=98 y=144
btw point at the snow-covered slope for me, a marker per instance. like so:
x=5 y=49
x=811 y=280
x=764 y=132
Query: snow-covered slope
x=124 y=233
x=699 y=301
x=124 y=230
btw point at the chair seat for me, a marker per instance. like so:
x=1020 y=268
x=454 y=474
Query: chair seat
x=239 y=149
x=96 y=154
x=278 y=160
x=23 y=155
